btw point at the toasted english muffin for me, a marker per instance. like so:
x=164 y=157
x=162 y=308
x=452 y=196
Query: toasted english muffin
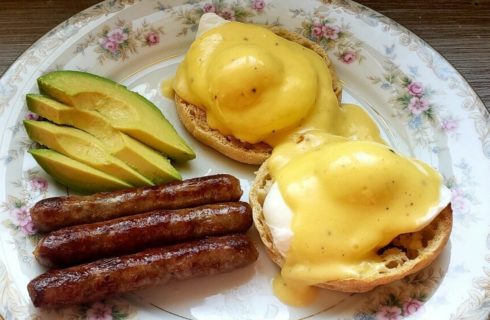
x=194 y=117
x=401 y=257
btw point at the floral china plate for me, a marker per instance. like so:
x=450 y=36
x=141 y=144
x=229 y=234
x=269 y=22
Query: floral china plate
x=422 y=105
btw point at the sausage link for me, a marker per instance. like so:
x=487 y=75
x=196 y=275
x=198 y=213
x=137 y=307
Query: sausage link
x=88 y=242
x=58 y=212
x=104 y=278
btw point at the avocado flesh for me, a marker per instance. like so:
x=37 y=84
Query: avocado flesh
x=125 y=110
x=147 y=161
x=82 y=147
x=76 y=175
x=140 y=157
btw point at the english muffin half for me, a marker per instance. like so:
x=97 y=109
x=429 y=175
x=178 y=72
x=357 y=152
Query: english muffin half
x=406 y=254
x=194 y=117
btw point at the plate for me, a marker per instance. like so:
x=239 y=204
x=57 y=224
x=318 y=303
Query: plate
x=422 y=105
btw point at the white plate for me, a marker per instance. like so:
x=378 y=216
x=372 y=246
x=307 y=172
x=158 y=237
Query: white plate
x=423 y=106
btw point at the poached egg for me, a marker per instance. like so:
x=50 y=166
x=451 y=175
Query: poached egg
x=332 y=207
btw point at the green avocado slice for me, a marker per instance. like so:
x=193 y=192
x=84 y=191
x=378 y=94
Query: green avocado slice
x=125 y=110
x=140 y=157
x=82 y=147
x=76 y=175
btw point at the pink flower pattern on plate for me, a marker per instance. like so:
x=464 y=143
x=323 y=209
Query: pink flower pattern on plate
x=413 y=99
x=411 y=306
x=322 y=30
x=389 y=313
x=228 y=14
x=32 y=116
x=258 y=5
x=316 y=31
x=28 y=229
x=209 y=7
x=415 y=89
x=119 y=41
x=458 y=200
x=348 y=57
x=239 y=10
x=39 y=183
x=113 y=39
x=152 y=38
x=418 y=105
x=109 y=45
x=99 y=311
x=449 y=125
x=22 y=218
x=330 y=32
x=117 y=35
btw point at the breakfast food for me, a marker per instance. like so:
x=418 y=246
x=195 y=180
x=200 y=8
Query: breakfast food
x=88 y=242
x=125 y=110
x=108 y=277
x=147 y=161
x=74 y=174
x=58 y=212
x=241 y=95
x=348 y=216
x=115 y=135
x=335 y=207
x=202 y=236
x=83 y=147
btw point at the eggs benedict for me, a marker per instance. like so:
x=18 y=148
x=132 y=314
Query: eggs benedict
x=347 y=215
x=242 y=89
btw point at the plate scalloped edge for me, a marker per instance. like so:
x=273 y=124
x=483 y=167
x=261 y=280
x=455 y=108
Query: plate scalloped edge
x=473 y=307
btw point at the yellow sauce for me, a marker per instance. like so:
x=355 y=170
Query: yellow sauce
x=257 y=86
x=167 y=88
x=293 y=293
x=360 y=195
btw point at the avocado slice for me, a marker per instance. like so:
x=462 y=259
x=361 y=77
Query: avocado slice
x=125 y=110
x=76 y=175
x=84 y=148
x=140 y=157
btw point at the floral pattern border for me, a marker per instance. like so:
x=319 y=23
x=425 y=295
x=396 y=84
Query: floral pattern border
x=413 y=97
x=440 y=67
x=477 y=305
x=53 y=39
x=405 y=298
x=240 y=10
x=121 y=41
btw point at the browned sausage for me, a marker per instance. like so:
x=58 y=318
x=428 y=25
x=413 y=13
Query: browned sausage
x=103 y=278
x=88 y=242
x=55 y=213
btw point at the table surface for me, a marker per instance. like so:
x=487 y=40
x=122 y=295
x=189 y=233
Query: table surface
x=459 y=30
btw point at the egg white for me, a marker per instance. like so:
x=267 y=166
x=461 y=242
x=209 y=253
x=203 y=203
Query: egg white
x=209 y=21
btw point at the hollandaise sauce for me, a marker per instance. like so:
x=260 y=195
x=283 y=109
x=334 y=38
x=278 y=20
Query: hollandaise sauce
x=167 y=88
x=257 y=86
x=359 y=196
